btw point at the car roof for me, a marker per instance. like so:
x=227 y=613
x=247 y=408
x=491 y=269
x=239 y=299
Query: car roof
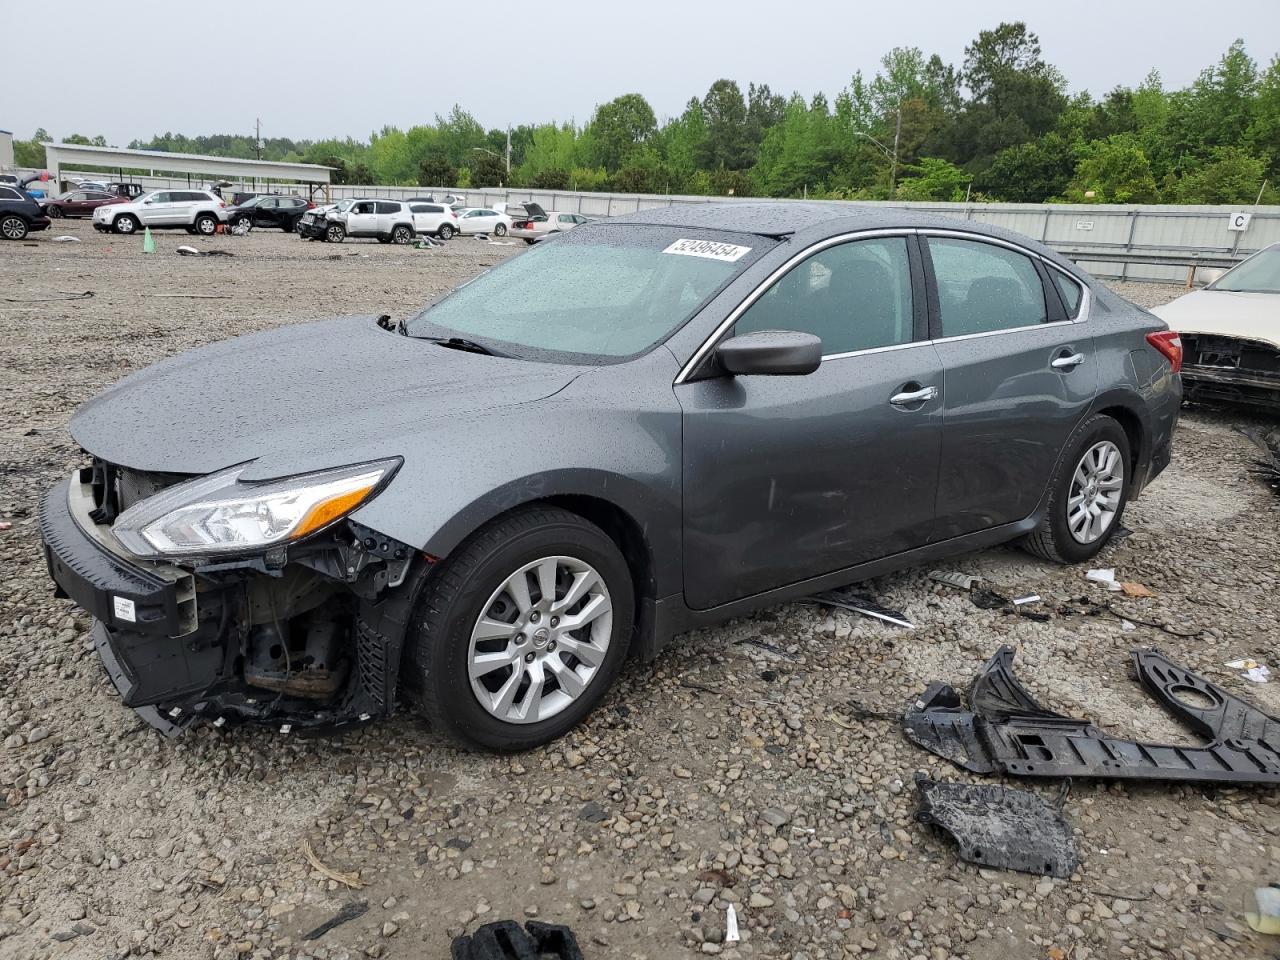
x=783 y=218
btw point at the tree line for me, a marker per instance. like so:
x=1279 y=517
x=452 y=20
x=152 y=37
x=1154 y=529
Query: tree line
x=1000 y=126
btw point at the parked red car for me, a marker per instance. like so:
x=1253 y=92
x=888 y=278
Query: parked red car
x=79 y=203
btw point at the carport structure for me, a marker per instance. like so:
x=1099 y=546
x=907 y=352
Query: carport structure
x=60 y=157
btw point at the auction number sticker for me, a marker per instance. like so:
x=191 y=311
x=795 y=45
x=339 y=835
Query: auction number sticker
x=708 y=249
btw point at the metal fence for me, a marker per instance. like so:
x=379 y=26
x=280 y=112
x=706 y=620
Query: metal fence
x=1077 y=230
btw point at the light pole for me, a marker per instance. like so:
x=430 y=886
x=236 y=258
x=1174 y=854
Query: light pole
x=890 y=155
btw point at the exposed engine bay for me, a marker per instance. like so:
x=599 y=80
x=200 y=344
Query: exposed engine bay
x=307 y=633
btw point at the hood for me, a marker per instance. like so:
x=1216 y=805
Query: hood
x=299 y=398
x=1226 y=313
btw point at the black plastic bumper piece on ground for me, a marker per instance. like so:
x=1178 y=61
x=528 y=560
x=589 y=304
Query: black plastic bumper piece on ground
x=996 y=826
x=95 y=579
x=1004 y=729
x=505 y=940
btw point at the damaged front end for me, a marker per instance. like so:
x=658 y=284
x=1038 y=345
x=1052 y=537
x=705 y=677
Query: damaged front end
x=305 y=631
x=1230 y=369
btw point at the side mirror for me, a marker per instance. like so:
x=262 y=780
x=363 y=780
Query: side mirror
x=778 y=353
x=1209 y=275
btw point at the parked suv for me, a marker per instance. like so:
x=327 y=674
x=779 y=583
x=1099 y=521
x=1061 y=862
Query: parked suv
x=269 y=211
x=390 y=221
x=434 y=218
x=196 y=211
x=19 y=214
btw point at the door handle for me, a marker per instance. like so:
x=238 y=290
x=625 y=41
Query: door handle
x=909 y=397
x=1068 y=363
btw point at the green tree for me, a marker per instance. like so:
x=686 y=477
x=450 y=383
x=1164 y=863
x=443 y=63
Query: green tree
x=487 y=170
x=1231 y=175
x=1114 y=170
x=725 y=113
x=551 y=179
x=621 y=128
x=1031 y=172
x=682 y=145
x=934 y=179
x=435 y=170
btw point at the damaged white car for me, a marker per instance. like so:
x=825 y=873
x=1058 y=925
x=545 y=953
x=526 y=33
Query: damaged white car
x=1231 y=334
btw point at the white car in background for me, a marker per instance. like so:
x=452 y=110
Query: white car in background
x=434 y=219
x=196 y=211
x=477 y=220
x=1230 y=334
x=538 y=224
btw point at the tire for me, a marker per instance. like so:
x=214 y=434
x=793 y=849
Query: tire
x=190 y=230
x=530 y=241
x=242 y=222
x=1054 y=539
x=500 y=230
x=470 y=582
x=445 y=232
x=126 y=223
x=335 y=233
x=289 y=227
x=401 y=235
x=206 y=224
x=54 y=212
x=13 y=227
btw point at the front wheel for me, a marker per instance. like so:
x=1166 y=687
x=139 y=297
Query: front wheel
x=126 y=224
x=335 y=233
x=521 y=631
x=1088 y=494
x=54 y=211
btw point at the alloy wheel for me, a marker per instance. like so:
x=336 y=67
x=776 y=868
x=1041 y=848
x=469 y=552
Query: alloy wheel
x=1096 y=489
x=13 y=228
x=540 y=639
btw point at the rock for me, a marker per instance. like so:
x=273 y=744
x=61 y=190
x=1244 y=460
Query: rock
x=759 y=901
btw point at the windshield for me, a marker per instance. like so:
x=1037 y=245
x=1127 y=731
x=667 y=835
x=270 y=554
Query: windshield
x=343 y=206
x=252 y=202
x=1259 y=274
x=596 y=295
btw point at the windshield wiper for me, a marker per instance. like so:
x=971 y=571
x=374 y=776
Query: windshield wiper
x=462 y=343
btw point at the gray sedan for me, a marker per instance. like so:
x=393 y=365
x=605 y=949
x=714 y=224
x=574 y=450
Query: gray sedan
x=650 y=424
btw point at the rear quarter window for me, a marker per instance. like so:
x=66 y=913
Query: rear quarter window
x=1072 y=292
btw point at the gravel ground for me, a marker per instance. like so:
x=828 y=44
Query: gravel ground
x=726 y=773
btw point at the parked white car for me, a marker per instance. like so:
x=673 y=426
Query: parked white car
x=1230 y=334
x=475 y=220
x=538 y=224
x=389 y=221
x=196 y=211
x=434 y=219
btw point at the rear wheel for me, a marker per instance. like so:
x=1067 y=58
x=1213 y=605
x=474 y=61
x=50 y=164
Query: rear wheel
x=206 y=224
x=13 y=228
x=521 y=631
x=401 y=235
x=1087 y=496
x=126 y=223
x=445 y=232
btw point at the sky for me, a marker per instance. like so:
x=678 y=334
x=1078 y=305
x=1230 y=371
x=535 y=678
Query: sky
x=328 y=68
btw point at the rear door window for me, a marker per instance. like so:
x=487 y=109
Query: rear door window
x=984 y=288
x=386 y=207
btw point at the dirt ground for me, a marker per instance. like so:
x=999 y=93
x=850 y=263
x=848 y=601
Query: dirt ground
x=751 y=765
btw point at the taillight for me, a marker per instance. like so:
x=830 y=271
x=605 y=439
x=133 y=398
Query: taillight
x=1169 y=343
x=222 y=203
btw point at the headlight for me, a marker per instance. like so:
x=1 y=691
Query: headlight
x=218 y=514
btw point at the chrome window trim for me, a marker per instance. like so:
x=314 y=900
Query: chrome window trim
x=1081 y=315
x=764 y=286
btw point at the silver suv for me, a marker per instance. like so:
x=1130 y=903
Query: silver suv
x=196 y=211
x=390 y=221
